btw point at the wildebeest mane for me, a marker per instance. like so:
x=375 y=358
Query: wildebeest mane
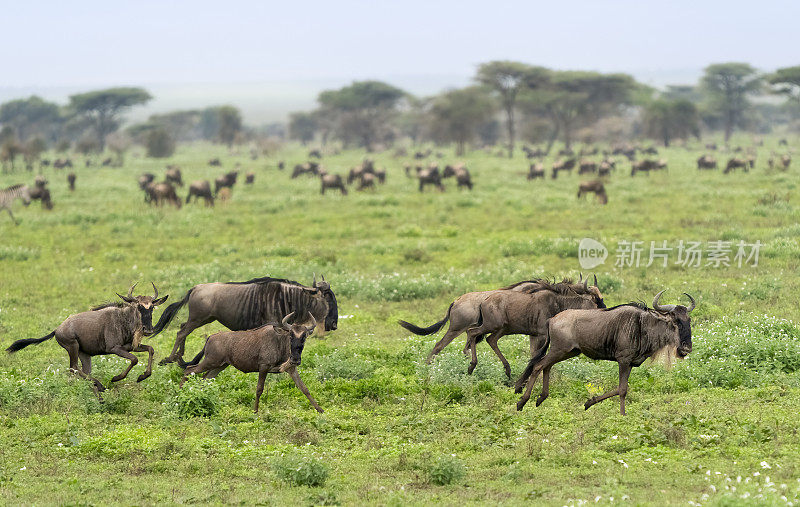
x=266 y=279
x=636 y=304
x=565 y=287
x=108 y=304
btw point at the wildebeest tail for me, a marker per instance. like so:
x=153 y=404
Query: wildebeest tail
x=21 y=344
x=183 y=364
x=479 y=338
x=532 y=363
x=169 y=313
x=424 y=331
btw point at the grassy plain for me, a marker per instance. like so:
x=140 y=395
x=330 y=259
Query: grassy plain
x=719 y=428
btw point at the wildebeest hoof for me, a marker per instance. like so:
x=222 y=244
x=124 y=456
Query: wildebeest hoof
x=539 y=401
x=100 y=387
x=142 y=377
x=471 y=369
x=117 y=378
x=166 y=360
x=520 y=405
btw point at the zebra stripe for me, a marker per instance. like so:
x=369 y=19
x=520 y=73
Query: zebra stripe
x=13 y=192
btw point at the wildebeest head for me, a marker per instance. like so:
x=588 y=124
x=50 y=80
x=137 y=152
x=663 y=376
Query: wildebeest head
x=145 y=305
x=297 y=336
x=679 y=315
x=590 y=290
x=332 y=318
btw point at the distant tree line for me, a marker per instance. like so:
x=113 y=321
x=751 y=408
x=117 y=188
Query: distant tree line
x=508 y=102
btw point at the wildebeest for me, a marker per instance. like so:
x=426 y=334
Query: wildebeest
x=162 y=193
x=430 y=176
x=706 y=162
x=536 y=171
x=310 y=168
x=464 y=312
x=595 y=186
x=173 y=175
x=281 y=165
x=107 y=162
x=214 y=162
x=71 y=181
x=647 y=165
x=61 y=163
x=786 y=161
x=267 y=349
x=227 y=180
x=711 y=146
x=605 y=168
x=566 y=152
x=366 y=181
x=110 y=328
x=627 y=334
x=249 y=178
x=587 y=166
x=533 y=153
x=514 y=312
x=200 y=188
x=650 y=150
x=563 y=165
x=42 y=193
x=314 y=154
x=246 y=305
x=332 y=181
x=735 y=163
x=463 y=178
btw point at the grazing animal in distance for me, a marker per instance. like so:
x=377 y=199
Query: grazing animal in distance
x=173 y=175
x=430 y=176
x=367 y=181
x=227 y=180
x=587 y=166
x=310 y=168
x=110 y=328
x=706 y=162
x=736 y=163
x=214 y=162
x=332 y=181
x=627 y=334
x=536 y=171
x=267 y=349
x=463 y=177
x=162 y=193
x=198 y=189
x=249 y=178
x=247 y=305
x=596 y=187
x=314 y=154
x=563 y=165
x=71 y=181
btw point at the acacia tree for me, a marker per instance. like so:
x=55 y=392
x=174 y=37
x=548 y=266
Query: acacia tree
x=302 y=126
x=363 y=110
x=230 y=124
x=33 y=115
x=458 y=114
x=671 y=119
x=728 y=87
x=508 y=79
x=103 y=107
x=786 y=82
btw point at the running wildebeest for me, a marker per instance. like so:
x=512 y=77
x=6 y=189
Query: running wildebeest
x=513 y=312
x=227 y=180
x=595 y=186
x=461 y=173
x=71 y=181
x=110 y=328
x=173 y=175
x=627 y=334
x=12 y=193
x=267 y=349
x=158 y=194
x=536 y=171
x=198 y=189
x=332 y=181
x=706 y=162
x=246 y=305
x=464 y=312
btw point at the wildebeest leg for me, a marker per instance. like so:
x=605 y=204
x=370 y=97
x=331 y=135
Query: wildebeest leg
x=547 y=361
x=86 y=362
x=127 y=355
x=180 y=340
x=150 y=354
x=444 y=342
x=73 y=349
x=213 y=372
x=621 y=390
x=537 y=342
x=471 y=339
x=300 y=385
x=492 y=341
x=262 y=376
x=545 y=386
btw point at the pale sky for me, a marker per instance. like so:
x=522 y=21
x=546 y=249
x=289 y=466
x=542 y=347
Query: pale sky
x=292 y=49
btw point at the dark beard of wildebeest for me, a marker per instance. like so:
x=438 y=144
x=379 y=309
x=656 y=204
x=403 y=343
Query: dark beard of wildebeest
x=110 y=328
x=267 y=349
x=464 y=314
x=227 y=180
x=198 y=189
x=627 y=334
x=246 y=305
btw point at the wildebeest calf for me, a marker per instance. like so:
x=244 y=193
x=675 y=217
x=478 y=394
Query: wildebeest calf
x=627 y=334
x=111 y=328
x=266 y=349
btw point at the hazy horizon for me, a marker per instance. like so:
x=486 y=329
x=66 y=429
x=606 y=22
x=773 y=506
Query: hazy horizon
x=271 y=59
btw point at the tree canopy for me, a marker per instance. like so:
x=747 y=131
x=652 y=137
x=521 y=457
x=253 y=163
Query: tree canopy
x=728 y=87
x=103 y=107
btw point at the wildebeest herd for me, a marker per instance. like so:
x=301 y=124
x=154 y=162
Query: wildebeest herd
x=270 y=319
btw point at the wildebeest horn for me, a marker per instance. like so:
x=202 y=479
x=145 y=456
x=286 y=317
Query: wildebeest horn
x=586 y=284
x=692 y=300
x=580 y=275
x=127 y=299
x=595 y=280
x=130 y=291
x=323 y=277
x=661 y=308
x=155 y=290
x=315 y=279
x=285 y=322
x=313 y=321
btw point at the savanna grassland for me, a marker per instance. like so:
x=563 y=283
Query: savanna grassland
x=720 y=428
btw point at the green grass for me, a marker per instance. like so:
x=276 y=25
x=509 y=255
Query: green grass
x=719 y=428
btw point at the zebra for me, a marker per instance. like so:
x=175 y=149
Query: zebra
x=13 y=192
